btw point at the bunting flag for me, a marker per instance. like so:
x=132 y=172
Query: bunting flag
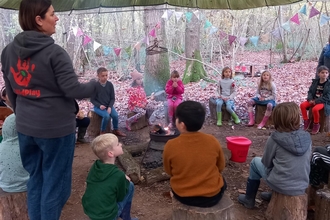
x=169 y=14
x=231 y=39
x=86 y=40
x=165 y=16
x=265 y=38
x=324 y=19
x=254 y=40
x=242 y=41
x=117 y=51
x=178 y=15
x=222 y=35
x=276 y=33
x=106 y=50
x=207 y=24
x=295 y=19
x=152 y=33
x=157 y=25
x=137 y=46
x=146 y=40
x=75 y=30
x=79 y=33
x=303 y=10
x=213 y=30
x=286 y=26
x=96 y=45
x=196 y=13
x=128 y=50
x=189 y=16
x=313 y=12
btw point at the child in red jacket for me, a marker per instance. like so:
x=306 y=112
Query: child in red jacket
x=174 y=90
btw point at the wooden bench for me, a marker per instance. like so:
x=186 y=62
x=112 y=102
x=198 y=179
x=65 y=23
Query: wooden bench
x=94 y=127
x=13 y=206
x=221 y=211
x=140 y=123
x=260 y=113
x=284 y=207
x=213 y=111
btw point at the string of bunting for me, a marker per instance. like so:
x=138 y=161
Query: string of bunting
x=208 y=26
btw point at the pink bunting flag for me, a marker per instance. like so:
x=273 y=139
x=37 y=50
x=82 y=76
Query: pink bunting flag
x=157 y=25
x=146 y=40
x=152 y=33
x=231 y=39
x=117 y=51
x=313 y=12
x=86 y=40
x=137 y=46
x=222 y=35
x=295 y=19
x=79 y=33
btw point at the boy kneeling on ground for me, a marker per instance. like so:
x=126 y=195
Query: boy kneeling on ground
x=109 y=191
x=194 y=160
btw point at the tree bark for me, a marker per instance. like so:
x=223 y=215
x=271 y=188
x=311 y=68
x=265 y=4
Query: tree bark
x=194 y=70
x=156 y=175
x=284 y=207
x=132 y=168
x=157 y=67
x=221 y=211
x=136 y=149
x=13 y=206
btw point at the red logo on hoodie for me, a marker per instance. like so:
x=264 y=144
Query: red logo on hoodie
x=22 y=77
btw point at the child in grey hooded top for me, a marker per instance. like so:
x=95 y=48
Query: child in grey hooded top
x=285 y=160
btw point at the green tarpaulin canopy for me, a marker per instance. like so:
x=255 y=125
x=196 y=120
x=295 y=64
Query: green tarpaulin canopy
x=68 y=5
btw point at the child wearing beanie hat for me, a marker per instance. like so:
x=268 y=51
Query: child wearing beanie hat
x=137 y=101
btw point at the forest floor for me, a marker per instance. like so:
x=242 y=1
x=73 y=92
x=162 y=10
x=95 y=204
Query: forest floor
x=152 y=202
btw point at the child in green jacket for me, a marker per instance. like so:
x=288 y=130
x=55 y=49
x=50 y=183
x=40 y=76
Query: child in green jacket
x=109 y=191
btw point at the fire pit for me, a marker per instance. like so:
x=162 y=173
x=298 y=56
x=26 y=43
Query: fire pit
x=153 y=157
x=164 y=137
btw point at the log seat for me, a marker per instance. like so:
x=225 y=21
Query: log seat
x=221 y=211
x=13 y=206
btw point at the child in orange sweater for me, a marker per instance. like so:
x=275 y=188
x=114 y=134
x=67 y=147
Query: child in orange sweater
x=194 y=160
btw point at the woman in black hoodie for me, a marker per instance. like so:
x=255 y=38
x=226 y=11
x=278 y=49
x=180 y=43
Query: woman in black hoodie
x=42 y=87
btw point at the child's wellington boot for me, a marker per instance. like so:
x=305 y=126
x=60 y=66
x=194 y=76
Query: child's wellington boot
x=263 y=122
x=236 y=118
x=248 y=200
x=251 y=117
x=219 y=121
x=316 y=128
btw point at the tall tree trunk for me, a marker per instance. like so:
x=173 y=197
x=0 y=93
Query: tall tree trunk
x=283 y=36
x=157 y=67
x=194 y=70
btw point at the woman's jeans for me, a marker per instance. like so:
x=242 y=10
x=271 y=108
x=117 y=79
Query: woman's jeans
x=49 y=163
x=257 y=169
x=106 y=117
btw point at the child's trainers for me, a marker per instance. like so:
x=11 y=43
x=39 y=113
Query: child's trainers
x=316 y=128
x=306 y=124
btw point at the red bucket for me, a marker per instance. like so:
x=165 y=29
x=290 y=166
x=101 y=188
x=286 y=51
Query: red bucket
x=239 y=147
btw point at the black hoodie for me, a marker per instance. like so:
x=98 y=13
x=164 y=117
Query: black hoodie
x=42 y=85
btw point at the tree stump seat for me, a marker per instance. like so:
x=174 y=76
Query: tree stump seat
x=221 y=211
x=94 y=127
x=13 y=206
x=324 y=127
x=213 y=111
x=284 y=207
x=260 y=113
x=321 y=198
x=140 y=123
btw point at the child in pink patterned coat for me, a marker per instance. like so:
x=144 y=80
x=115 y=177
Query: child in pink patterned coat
x=174 y=90
x=137 y=101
